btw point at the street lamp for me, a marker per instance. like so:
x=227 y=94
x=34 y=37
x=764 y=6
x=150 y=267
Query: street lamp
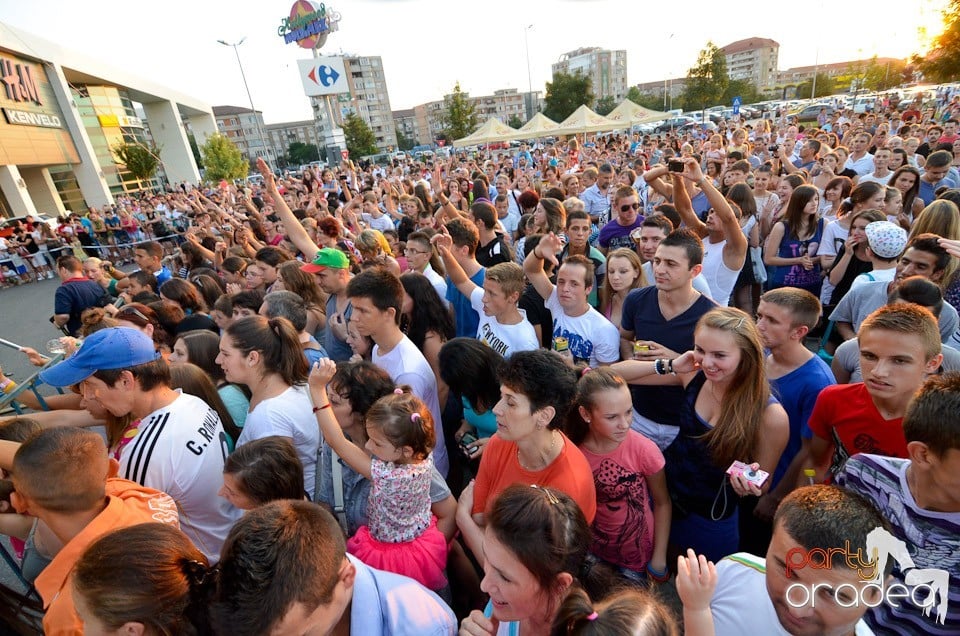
x=526 y=46
x=256 y=120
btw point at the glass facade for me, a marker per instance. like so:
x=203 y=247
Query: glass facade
x=111 y=120
x=68 y=188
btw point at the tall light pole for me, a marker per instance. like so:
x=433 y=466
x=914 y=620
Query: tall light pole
x=256 y=120
x=526 y=46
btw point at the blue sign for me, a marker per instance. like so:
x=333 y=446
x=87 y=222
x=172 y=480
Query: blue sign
x=736 y=105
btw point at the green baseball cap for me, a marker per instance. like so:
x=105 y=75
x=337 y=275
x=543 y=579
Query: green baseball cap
x=327 y=258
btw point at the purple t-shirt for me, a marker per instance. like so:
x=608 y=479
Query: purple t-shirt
x=613 y=235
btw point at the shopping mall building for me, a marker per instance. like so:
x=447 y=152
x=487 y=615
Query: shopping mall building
x=63 y=113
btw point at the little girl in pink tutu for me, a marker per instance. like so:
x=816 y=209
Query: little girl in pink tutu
x=402 y=534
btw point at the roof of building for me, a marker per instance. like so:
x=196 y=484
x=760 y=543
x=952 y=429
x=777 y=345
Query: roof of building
x=306 y=123
x=219 y=111
x=837 y=66
x=406 y=112
x=748 y=45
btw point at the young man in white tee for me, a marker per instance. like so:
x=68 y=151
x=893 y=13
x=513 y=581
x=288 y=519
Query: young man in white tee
x=591 y=338
x=503 y=326
x=377 y=296
x=178 y=446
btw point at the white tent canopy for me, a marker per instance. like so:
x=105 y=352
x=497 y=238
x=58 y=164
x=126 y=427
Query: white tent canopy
x=630 y=114
x=539 y=126
x=492 y=130
x=584 y=120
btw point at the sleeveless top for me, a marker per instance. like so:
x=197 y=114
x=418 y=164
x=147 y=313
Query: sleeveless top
x=720 y=278
x=796 y=275
x=695 y=482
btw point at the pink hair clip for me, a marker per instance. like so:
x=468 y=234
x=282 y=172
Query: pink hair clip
x=398 y=391
x=592 y=617
x=414 y=417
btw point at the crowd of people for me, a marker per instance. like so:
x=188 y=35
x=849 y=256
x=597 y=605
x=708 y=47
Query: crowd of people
x=517 y=391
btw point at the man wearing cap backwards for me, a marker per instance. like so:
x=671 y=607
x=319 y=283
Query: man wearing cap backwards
x=332 y=269
x=176 y=442
x=885 y=244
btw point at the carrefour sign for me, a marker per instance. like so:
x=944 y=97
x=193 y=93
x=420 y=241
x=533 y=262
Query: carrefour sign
x=308 y=25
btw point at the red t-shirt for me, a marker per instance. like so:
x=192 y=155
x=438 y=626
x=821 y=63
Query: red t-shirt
x=846 y=415
x=499 y=468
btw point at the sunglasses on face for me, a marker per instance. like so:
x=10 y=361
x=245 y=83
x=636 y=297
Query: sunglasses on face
x=629 y=206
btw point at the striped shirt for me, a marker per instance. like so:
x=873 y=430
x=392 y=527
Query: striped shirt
x=932 y=539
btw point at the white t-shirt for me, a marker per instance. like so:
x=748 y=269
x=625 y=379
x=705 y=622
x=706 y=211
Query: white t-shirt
x=504 y=339
x=290 y=415
x=591 y=336
x=872 y=178
x=834 y=237
x=405 y=364
x=885 y=275
x=437 y=281
x=180 y=449
x=383 y=222
x=741 y=603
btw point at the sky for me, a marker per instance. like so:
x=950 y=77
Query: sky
x=429 y=45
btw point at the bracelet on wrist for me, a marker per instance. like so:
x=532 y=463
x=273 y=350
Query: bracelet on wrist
x=657 y=575
x=658 y=366
x=317 y=409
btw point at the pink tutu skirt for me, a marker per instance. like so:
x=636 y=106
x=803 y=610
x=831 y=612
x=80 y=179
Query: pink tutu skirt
x=422 y=559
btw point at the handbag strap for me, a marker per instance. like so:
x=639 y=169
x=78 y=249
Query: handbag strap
x=336 y=470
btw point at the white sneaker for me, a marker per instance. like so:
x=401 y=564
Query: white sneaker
x=49 y=275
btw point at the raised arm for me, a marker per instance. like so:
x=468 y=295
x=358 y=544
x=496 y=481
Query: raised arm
x=321 y=374
x=681 y=201
x=735 y=250
x=548 y=248
x=458 y=277
x=295 y=232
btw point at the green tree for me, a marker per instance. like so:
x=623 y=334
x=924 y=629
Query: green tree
x=826 y=85
x=360 y=138
x=139 y=160
x=707 y=80
x=404 y=142
x=647 y=100
x=195 y=149
x=605 y=105
x=299 y=153
x=744 y=89
x=880 y=77
x=634 y=94
x=942 y=62
x=565 y=94
x=222 y=159
x=459 y=117
x=515 y=121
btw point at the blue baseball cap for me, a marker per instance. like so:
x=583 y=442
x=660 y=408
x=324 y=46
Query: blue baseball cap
x=113 y=348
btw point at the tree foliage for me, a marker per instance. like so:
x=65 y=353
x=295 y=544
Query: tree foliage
x=707 y=80
x=880 y=77
x=605 y=105
x=647 y=100
x=515 y=121
x=404 y=142
x=299 y=153
x=826 y=85
x=460 y=117
x=744 y=89
x=360 y=138
x=565 y=94
x=222 y=159
x=942 y=62
x=139 y=160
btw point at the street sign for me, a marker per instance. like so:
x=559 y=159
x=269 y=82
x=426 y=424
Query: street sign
x=323 y=76
x=736 y=105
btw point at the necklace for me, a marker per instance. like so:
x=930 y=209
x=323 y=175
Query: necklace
x=543 y=463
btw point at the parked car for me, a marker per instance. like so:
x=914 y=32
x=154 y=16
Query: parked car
x=811 y=112
x=674 y=123
x=694 y=125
